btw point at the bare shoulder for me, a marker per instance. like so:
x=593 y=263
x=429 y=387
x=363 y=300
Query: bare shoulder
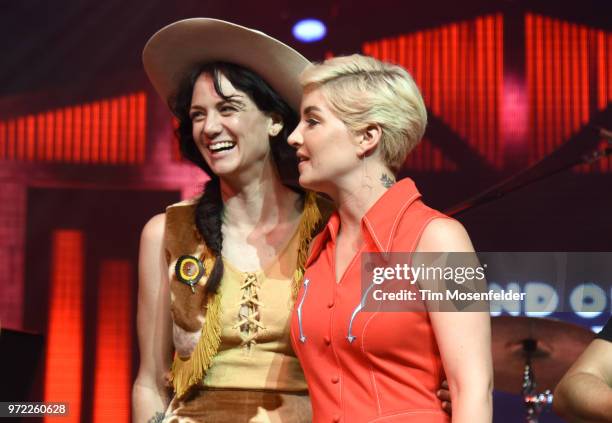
x=444 y=234
x=154 y=229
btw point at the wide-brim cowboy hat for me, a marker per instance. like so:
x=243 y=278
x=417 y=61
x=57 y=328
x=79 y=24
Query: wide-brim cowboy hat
x=174 y=51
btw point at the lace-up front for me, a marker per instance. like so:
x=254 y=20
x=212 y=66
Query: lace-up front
x=249 y=322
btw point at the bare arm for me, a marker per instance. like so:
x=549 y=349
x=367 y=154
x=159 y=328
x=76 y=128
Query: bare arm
x=464 y=338
x=585 y=392
x=149 y=394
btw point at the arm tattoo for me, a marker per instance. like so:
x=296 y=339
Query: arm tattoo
x=157 y=418
x=387 y=180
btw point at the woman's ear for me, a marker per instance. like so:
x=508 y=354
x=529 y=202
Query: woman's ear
x=369 y=139
x=276 y=125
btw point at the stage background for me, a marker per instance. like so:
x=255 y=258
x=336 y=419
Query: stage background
x=87 y=153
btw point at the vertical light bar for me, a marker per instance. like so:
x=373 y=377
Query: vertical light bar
x=58 y=136
x=401 y=54
x=436 y=52
x=472 y=71
x=64 y=349
x=95 y=132
x=11 y=135
x=142 y=128
x=123 y=129
x=499 y=78
x=49 y=133
x=556 y=82
x=575 y=77
x=68 y=133
x=77 y=124
x=548 y=91
x=584 y=62
x=529 y=74
x=462 y=84
x=418 y=59
x=30 y=138
x=114 y=131
x=539 y=87
x=40 y=137
x=566 y=86
x=602 y=100
x=105 y=129
x=454 y=73
x=444 y=73
x=489 y=99
x=112 y=378
x=3 y=131
x=132 y=123
x=20 y=138
x=86 y=134
x=609 y=67
x=479 y=55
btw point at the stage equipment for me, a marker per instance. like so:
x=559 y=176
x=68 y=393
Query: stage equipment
x=534 y=346
x=582 y=148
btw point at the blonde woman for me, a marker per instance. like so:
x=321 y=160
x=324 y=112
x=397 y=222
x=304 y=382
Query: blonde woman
x=359 y=119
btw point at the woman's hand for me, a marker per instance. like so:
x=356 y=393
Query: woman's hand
x=443 y=395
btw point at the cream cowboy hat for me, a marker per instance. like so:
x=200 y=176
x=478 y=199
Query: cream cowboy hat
x=173 y=52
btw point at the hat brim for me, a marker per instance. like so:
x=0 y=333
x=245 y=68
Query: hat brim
x=174 y=51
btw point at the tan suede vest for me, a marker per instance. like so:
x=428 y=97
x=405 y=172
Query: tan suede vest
x=252 y=310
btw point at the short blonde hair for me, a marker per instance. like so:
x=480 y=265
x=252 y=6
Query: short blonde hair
x=363 y=91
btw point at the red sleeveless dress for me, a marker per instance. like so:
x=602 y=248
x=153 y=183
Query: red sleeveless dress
x=365 y=366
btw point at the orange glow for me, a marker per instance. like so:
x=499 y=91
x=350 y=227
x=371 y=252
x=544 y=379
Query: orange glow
x=142 y=133
x=565 y=87
x=112 y=379
x=563 y=64
x=131 y=135
x=78 y=134
x=104 y=130
x=602 y=100
x=436 y=51
x=114 y=131
x=86 y=133
x=11 y=139
x=107 y=131
x=68 y=134
x=95 y=132
x=59 y=136
x=30 y=138
x=609 y=67
x=49 y=133
x=575 y=57
x=459 y=69
x=2 y=140
x=124 y=111
x=20 y=139
x=584 y=62
x=64 y=349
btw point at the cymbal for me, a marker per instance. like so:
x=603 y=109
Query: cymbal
x=556 y=346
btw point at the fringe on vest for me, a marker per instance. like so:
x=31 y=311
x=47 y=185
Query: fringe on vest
x=190 y=372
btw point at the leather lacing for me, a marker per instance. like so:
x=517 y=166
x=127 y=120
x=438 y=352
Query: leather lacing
x=249 y=322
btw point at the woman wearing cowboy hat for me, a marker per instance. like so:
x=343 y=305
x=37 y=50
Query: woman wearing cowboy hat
x=224 y=266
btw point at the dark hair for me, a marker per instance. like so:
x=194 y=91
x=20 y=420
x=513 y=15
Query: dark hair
x=209 y=210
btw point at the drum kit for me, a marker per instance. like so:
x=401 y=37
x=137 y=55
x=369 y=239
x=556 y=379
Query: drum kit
x=526 y=347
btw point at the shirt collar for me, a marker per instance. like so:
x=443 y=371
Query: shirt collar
x=379 y=223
